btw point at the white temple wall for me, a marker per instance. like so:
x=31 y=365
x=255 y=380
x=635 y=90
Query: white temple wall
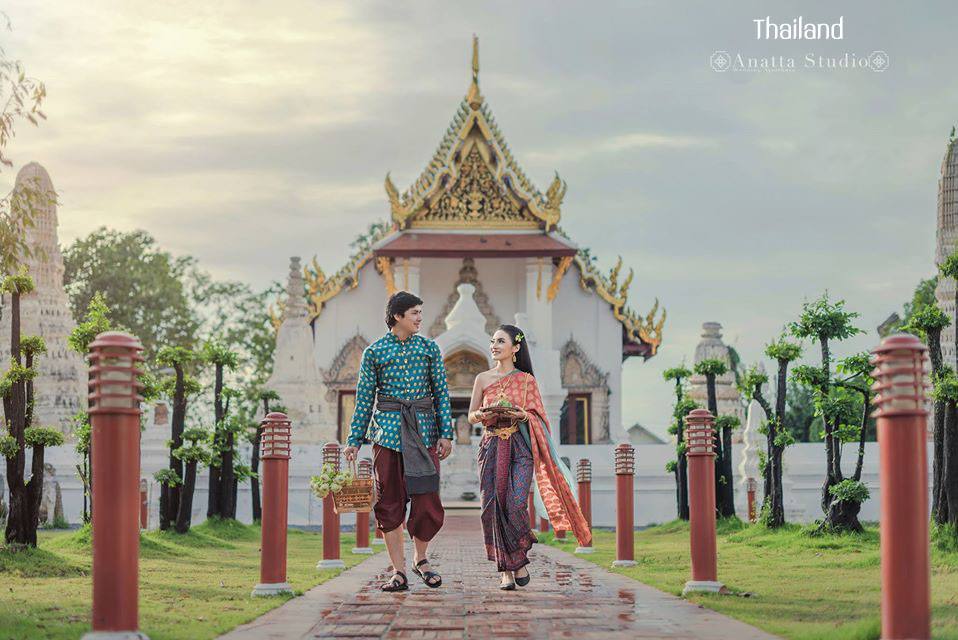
x=503 y=280
x=654 y=495
x=588 y=319
x=360 y=310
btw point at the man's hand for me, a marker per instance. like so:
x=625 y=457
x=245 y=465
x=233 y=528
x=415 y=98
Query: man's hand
x=350 y=453
x=444 y=447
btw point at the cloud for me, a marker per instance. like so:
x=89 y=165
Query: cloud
x=243 y=133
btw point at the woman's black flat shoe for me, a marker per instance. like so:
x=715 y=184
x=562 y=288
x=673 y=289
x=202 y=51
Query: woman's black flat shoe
x=395 y=585
x=509 y=586
x=524 y=580
x=427 y=575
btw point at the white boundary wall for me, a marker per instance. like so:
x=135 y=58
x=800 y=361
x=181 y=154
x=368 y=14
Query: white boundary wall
x=654 y=489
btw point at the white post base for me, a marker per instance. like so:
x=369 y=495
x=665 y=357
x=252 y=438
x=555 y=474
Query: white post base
x=114 y=635
x=362 y=550
x=706 y=586
x=623 y=563
x=273 y=589
x=378 y=541
x=581 y=550
x=330 y=564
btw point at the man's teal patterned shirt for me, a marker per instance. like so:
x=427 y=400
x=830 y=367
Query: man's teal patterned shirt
x=407 y=369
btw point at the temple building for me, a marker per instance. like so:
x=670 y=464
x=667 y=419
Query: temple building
x=60 y=386
x=482 y=245
x=947 y=235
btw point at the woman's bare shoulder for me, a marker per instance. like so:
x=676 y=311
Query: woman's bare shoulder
x=485 y=377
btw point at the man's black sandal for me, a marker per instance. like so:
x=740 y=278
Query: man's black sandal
x=427 y=575
x=524 y=580
x=394 y=584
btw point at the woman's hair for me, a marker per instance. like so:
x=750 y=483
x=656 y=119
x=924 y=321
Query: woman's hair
x=399 y=303
x=523 y=359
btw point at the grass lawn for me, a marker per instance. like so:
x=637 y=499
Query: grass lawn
x=191 y=586
x=799 y=587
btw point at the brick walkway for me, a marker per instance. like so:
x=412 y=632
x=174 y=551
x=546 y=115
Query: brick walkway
x=567 y=598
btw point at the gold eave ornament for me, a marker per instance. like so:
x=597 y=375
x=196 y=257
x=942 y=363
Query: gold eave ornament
x=646 y=329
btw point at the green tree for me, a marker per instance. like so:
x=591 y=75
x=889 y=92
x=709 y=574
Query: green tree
x=724 y=492
x=93 y=324
x=825 y=321
x=191 y=453
x=928 y=323
x=142 y=285
x=678 y=375
x=221 y=502
x=178 y=388
x=777 y=436
x=949 y=444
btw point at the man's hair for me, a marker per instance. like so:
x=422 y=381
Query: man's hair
x=399 y=303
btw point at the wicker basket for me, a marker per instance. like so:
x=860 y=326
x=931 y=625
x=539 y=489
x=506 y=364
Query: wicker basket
x=356 y=497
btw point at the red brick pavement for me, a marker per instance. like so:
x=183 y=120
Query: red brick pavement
x=567 y=598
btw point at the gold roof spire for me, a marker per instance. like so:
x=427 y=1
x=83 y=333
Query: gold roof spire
x=475 y=58
x=473 y=97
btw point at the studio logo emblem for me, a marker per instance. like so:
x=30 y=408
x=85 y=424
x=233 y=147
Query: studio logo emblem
x=721 y=61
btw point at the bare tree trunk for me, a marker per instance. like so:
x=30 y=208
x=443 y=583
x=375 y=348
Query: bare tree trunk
x=832 y=461
x=177 y=423
x=254 y=479
x=185 y=514
x=866 y=398
x=15 y=412
x=950 y=462
x=939 y=502
x=214 y=503
x=164 y=507
x=35 y=493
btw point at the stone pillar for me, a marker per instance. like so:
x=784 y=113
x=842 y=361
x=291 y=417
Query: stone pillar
x=407 y=274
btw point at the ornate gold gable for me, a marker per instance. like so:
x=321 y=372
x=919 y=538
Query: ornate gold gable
x=473 y=179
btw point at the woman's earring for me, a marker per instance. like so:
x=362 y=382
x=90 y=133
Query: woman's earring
x=513 y=357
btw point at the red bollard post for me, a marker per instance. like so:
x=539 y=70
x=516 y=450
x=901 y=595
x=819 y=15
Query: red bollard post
x=115 y=445
x=543 y=525
x=274 y=453
x=750 y=486
x=625 y=520
x=144 y=504
x=584 y=478
x=700 y=451
x=903 y=472
x=331 y=559
x=364 y=470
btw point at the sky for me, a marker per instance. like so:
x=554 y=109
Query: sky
x=245 y=132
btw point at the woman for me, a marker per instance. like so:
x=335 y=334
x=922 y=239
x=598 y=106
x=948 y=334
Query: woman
x=517 y=447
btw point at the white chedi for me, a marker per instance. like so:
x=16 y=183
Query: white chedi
x=754 y=442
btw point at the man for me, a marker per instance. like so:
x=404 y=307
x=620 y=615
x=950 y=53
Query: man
x=411 y=430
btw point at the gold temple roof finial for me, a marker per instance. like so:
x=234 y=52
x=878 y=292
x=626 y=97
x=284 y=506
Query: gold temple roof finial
x=475 y=58
x=474 y=98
